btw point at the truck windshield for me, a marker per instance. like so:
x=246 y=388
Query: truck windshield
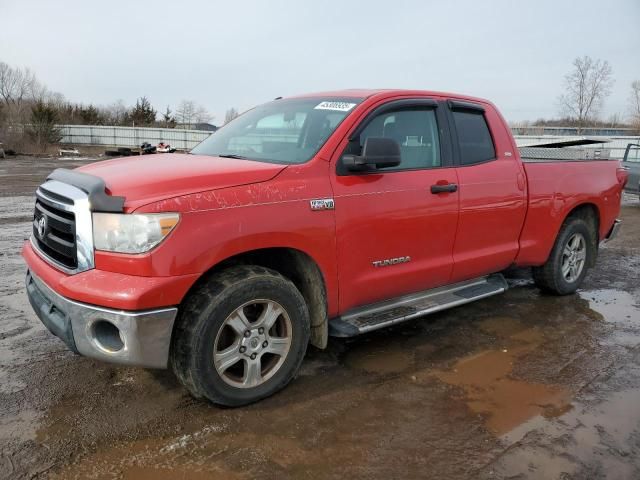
x=282 y=131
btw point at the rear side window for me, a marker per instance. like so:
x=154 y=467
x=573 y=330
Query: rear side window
x=474 y=137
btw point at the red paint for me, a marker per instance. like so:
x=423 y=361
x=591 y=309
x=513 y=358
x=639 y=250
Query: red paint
x=110 y=289
x=504 y=212
x=148 y=178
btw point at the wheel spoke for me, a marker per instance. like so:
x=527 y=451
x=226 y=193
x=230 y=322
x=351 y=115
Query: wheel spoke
x=238 y=321
x=278 y=346
x=567 y=251
x=574 y=242
x=574 y=272
x=269 y=316
x=566 y=267
x=227 y=358
x=581 y=255
x=252 y=373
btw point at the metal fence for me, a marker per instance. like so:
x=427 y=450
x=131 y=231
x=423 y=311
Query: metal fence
x=615 y=145
x=564 y=131
x=130 y=136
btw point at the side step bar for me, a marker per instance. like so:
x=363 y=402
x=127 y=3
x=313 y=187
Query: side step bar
x=390 y=312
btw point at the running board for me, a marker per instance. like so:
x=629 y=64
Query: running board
x=390 y=312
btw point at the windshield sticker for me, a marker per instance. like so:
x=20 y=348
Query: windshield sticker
x=337 y=106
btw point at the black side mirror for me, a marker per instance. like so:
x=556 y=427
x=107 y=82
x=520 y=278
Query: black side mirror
x=377 y=152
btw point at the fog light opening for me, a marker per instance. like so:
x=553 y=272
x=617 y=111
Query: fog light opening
x=107 y=336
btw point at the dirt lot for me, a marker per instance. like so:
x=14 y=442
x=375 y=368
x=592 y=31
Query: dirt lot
x=521 y=385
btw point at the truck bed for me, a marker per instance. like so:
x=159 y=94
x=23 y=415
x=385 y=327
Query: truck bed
x=555 y=183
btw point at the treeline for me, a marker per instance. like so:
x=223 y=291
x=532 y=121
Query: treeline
x=29 y=111
x=141 y=114
x=187 y=115
x=613 y=122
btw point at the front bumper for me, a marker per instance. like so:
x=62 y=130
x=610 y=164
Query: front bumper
x=139 y=338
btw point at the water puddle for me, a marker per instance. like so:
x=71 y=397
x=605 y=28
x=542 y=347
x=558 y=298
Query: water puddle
x=491 y=391
x=620 y=309
x=380 y=360
x=615 y=306
x=586 y=434
x=212 y=452
x=154 y=458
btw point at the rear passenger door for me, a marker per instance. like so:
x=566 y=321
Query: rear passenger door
x=492 y=191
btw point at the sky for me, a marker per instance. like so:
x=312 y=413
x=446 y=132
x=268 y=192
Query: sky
x=240 y=53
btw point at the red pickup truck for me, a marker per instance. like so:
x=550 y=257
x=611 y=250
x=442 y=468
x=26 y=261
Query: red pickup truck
x=330 y=214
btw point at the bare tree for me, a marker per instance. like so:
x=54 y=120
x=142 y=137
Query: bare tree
x=586 y=88
x=116 y=113
x=18 y=88
x=202 y=115
x=230 y=115
x=189 y=113
x=614 y=120
x=185 y=112
x=634 y=104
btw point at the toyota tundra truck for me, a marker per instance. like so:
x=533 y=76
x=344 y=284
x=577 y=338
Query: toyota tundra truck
x=330 y=214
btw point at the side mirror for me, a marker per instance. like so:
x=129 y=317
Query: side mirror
x=377 y=152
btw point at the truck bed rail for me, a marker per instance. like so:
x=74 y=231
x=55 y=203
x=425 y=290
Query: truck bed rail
x=542 y=154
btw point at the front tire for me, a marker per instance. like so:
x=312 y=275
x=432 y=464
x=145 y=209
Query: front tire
x=241 y=336
x=574 y=251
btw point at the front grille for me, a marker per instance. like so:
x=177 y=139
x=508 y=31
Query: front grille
x=54 y=233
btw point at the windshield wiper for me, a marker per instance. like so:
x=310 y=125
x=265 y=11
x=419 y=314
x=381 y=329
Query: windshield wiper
x=231 y=155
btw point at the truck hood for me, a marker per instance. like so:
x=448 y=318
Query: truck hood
x=148 y=178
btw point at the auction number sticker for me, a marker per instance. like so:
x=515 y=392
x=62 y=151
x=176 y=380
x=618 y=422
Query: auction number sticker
x=337 y=106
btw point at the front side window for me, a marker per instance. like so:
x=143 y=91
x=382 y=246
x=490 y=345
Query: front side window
x=415 y=130
x=474 y=137
x=283 y=131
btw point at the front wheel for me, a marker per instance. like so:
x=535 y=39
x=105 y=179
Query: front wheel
x=241 y=336
x=573 y=253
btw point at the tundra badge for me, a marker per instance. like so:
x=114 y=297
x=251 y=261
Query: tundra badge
x=322 y=204
x=390 y=261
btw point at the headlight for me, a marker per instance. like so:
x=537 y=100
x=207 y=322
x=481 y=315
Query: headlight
x=131 y=233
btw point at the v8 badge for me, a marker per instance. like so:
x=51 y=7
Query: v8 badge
x=322 y=204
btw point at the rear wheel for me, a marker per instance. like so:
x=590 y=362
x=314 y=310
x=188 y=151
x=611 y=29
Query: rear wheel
x=241 y=336
x=573 y=253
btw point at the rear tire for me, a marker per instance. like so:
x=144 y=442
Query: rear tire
x=241 y=336
x=573 y=253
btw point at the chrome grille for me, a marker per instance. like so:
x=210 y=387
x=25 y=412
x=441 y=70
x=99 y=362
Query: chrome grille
x=62 y=227
x=54 y=232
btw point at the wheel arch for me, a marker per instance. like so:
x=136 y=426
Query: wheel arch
x=590 y=213
x=297 y=266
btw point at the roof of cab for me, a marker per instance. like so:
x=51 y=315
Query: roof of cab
x=363 y=93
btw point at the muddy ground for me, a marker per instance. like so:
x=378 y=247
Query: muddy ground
x=521 y=385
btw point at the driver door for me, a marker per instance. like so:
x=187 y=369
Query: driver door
x=394 y=236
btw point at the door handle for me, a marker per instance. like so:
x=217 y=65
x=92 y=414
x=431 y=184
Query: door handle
x=446 y=188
